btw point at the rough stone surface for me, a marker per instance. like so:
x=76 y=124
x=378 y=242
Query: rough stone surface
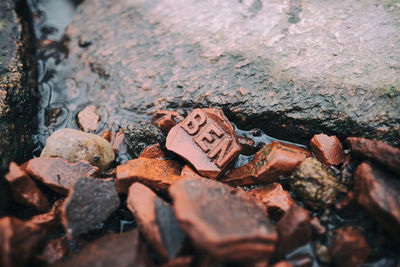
x=292 y=68
x=207 y=140
x=19 y=241
x=315 y=184
x=156 y=174
x=294 y=230
x=90 y=202
x=272 y=161
x=377 y=151
x=16 y=94
x=379 y=193
x=156 y=220
x=349 y=247
x=327 y=149
x=57 y=173
x=122 y=250
x=74 y=145
x=222 y=220
x=277 y=200
x=141 y=135
x=24 y=188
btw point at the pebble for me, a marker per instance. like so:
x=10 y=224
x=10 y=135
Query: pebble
x=140 y=135
x=327 y=149
x=269 y=163
x=58 y=174
x=207 y=140
x=89 y=119
x=315 y=184
x=90 y=202
x=223 y=221
x=24 y=189
x=73 y=146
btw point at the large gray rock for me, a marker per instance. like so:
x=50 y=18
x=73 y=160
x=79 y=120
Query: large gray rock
x=290 y=67
x=16 y=101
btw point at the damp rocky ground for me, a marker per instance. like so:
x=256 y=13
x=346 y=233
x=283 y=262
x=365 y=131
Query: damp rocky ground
x=163 y=138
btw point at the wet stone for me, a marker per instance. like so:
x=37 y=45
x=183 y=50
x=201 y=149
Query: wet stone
x=54 y=251
x=223 y=221
x=90 y=202
x=73 y=146
x=207 y=140
x=140 y=135
x=269 y=163
x=19 y=241
x=294 y=230
x=24 y=188
x=153 y=152
x=277 y=200
x=166 y=119
x=57 y=173
x=315 y=184
x=89 y=119
x=327 y=149
x=118 y=250
x=156 y=174
x=378 y=192
x=156 y=221
x=349 y=247
x=376 y=150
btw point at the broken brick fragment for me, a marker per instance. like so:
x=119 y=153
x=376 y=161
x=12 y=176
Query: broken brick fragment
x=122 y=250
x=90 y=202
x=57 y=173
x=156 y=174
x=54 y=251
x=153 y=152
x=269 y=163
x=188 y=171
x=277 y=200
x=118 y=143
x=184 y=261
x=166 y=119
x=349 y=247
x=317 y=227
x=49 y=221
x=327 y=149
x=378 y=192
x=156 y=221
x=376 y=150
x=224 y=221
x=207 y=140
x=19 y=241
x=24 y=188
x=294 y=230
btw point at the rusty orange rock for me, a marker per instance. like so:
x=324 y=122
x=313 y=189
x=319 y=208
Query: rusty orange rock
x=54 y=251
x=24 y=189
x=349 y=247
x=277 y=200
x=166 y=119
x=89 y=119
x=376 y=150
x=156 y=221
x=19 y=241
x=156 y=174
x=293 y=230
x=223 y=221
x=153 y=152
x=58 y=174
x=272 y=161
x=327 y=149
x=207 y=140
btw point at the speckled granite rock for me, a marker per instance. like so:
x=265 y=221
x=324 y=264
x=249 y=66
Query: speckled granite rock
x=16 y=100
x=292 y=68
